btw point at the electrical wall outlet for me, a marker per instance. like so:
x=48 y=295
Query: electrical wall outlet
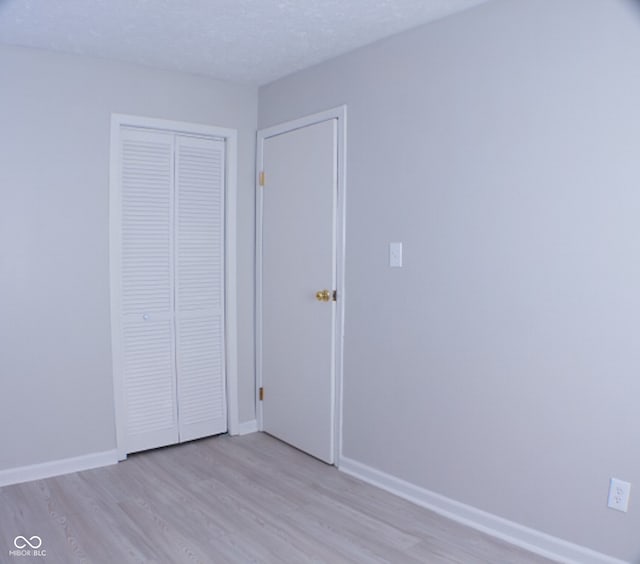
x=619 y=494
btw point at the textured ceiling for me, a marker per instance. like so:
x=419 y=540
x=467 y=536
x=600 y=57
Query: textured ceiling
x=251 y=41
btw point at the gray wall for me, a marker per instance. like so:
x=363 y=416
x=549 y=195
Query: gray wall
x=501 y=366
x=56 y=384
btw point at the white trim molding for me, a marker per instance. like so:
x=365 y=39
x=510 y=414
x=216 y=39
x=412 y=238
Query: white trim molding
x=246 y=428
x=509 y=531
x=57 y=467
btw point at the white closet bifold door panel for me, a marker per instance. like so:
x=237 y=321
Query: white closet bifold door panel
x=199 y=276
x=147 y=320
x=170 y=269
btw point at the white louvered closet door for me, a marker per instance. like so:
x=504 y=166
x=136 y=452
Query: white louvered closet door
x=199 y=276
x=147 y=288
x=171 y=272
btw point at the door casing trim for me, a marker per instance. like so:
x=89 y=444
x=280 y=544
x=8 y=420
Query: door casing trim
x=340 y=114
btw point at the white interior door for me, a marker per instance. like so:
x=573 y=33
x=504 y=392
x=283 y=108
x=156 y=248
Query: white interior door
x=299 y=200
x=168 y=287
x=199 y=282
x=146 y=323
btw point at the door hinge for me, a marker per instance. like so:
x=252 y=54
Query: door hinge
x=261 y=178
x=261 y=396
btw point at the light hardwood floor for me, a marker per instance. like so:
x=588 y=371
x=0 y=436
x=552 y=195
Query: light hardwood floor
x=232 y=499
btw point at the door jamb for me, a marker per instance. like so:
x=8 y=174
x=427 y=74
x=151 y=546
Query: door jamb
x=340 y=114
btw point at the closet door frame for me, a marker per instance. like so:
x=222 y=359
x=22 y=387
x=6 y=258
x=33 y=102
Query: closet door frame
x=230 y=137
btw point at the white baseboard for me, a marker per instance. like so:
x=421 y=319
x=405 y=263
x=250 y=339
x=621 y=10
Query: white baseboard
x=247 y=427
x=514 y=533
x=57 y=467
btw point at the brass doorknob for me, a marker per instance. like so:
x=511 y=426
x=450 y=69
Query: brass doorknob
x=323 y=295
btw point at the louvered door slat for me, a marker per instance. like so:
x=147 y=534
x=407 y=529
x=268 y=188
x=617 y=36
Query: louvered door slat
x=199 y=276
x=200 y=224
x=147 y=208
x=148 y=333
x=201 y=371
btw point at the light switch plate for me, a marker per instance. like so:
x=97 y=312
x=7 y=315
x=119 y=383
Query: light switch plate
x=395 y=255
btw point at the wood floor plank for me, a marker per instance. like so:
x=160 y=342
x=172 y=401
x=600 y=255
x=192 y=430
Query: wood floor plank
x=233 y=500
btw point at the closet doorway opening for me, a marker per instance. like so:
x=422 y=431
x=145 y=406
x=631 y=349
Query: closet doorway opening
x=173 y=280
